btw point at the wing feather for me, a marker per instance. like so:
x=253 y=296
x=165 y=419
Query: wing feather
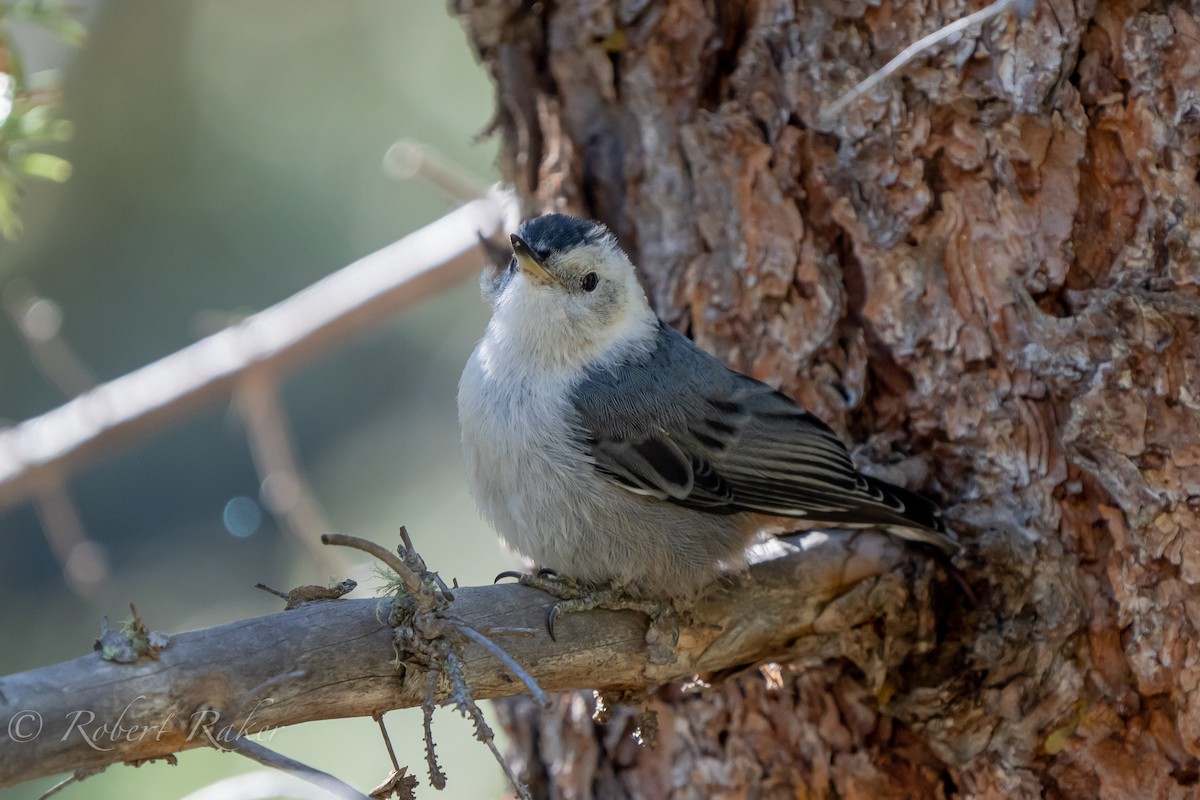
x=675 y=424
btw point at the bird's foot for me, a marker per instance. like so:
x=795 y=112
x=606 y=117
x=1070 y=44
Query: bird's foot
x=574 y=598
x=613 y=598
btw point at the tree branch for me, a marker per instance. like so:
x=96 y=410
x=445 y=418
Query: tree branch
x=340 y=659
x=256 y=752
x=43 y=451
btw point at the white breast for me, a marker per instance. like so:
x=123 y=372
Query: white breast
x=524 y=461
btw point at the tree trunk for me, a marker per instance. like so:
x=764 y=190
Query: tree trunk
x=987 y=271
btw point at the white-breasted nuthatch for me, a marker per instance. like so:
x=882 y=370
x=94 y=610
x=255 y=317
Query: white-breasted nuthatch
x=604 y=445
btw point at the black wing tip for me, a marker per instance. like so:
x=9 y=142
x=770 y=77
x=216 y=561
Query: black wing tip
x=943 y=541
x=918 y=513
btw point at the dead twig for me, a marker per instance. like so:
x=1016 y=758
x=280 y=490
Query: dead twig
x=398 y=783
x=387 y=742
x=269 y=758
x=464 y=701
x=412 y=581
x=435 y=636
x=437 y=778
x=78 y=775
x=478 y=638
x=1023 y=8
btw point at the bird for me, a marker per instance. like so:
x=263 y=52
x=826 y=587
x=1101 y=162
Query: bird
x=606 y=447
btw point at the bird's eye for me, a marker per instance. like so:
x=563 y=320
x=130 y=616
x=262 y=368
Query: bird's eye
x=589 y=281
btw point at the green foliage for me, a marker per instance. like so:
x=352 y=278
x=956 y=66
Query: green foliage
x=27 y=121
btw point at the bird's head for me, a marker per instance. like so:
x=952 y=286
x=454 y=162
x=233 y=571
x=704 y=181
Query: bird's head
x=569 y=294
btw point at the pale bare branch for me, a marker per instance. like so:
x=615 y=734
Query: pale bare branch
x=45 y=450
x=406 y=160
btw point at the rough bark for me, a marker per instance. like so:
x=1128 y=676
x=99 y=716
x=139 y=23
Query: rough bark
x=987 y=271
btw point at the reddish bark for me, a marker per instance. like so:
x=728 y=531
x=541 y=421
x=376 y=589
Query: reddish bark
x=987 y=271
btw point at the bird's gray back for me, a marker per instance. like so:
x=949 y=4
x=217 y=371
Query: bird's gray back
x=675 y=424
x=669 y=385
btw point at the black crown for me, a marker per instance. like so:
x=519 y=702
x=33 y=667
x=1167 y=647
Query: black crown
x=556 y=233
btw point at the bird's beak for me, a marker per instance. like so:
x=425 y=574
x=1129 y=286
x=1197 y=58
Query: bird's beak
x=530 y=264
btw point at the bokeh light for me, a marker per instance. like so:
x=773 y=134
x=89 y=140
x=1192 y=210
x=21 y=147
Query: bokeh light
x=242 y=517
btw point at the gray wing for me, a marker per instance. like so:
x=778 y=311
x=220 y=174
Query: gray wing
x=677 y=425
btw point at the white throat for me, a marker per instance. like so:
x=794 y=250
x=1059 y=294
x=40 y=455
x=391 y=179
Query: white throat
x=531 y=332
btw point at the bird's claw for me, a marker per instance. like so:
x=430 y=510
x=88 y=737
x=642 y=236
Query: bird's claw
x=611 y=599
x=572 y=598
x=547 y=580
x=524 y=578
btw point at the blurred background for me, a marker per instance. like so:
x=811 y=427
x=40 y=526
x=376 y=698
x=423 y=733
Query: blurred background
x=226 y=154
